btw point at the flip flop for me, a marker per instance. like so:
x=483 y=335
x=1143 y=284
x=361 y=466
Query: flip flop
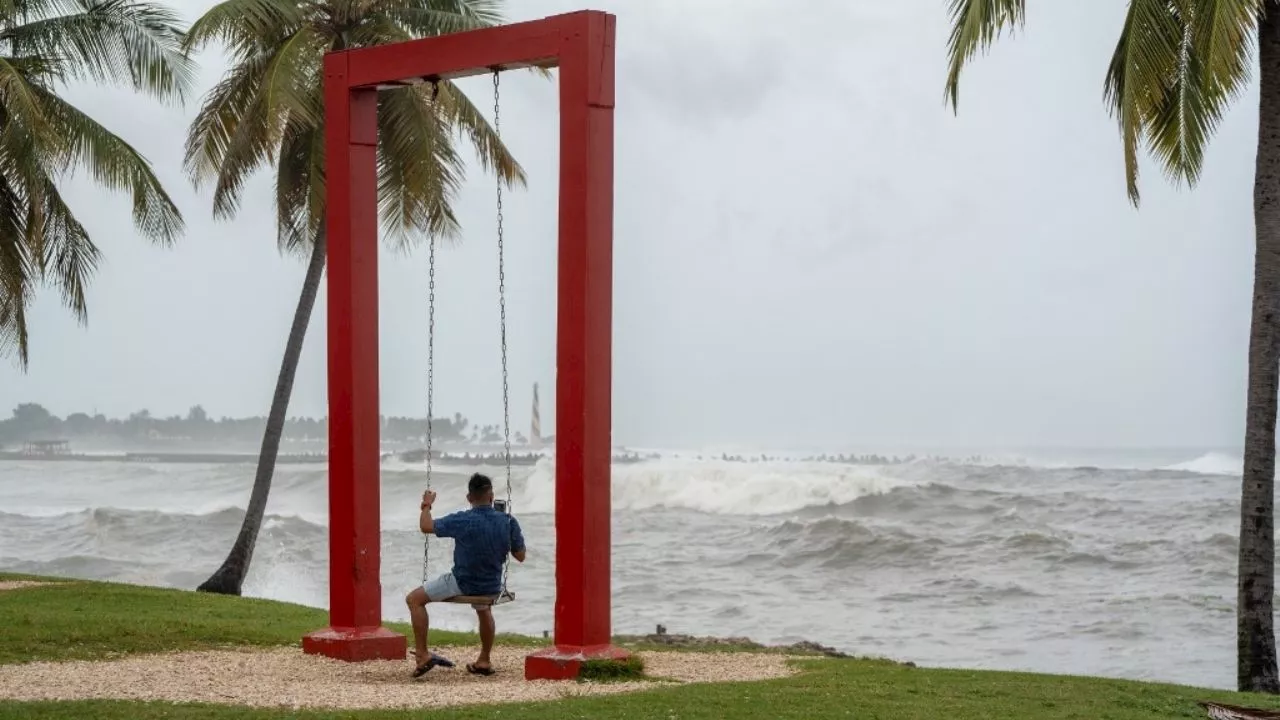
x=431 y=662
x=477 y=670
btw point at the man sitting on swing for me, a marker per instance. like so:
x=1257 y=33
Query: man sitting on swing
x=482 y=538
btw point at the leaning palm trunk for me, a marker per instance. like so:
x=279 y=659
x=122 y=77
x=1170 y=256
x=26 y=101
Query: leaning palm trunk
x=230 y=577
x=268 y=112
x=1255 y=634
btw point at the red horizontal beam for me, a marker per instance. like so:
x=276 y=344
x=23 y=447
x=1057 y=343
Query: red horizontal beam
x=526 y=44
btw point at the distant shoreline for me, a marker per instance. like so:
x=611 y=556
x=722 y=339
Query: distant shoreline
x=318 y=458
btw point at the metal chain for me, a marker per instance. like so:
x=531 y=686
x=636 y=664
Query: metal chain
x=431 y=383
x=502 y=304
x=431 y=363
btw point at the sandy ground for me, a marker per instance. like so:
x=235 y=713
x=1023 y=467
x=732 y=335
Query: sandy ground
x=286 y=677
x=19 y=584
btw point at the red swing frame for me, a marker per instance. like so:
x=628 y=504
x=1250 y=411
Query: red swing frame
x=581 y=44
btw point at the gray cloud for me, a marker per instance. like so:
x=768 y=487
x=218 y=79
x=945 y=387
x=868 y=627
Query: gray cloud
x=810 y=249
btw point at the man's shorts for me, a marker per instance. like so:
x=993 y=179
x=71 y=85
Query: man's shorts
x=444 y=587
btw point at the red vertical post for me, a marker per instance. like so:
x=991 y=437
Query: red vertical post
x=351 y=224
x=583 y=354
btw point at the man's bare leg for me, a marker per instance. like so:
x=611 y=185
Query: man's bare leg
x=417 y=601
x=488 y=630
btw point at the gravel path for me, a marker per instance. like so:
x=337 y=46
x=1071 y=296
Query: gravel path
x=286 y=677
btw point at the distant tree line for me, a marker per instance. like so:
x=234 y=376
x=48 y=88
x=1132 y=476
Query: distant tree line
x=841 y=459
x=31 y=421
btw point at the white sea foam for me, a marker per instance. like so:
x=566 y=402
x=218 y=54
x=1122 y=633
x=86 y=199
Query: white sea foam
x=721 y=487
x=1212 y=463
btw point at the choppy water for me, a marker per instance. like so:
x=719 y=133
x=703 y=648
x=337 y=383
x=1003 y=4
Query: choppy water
x=1125 y=572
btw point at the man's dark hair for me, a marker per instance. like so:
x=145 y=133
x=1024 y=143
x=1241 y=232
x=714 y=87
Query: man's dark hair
x=479 y=485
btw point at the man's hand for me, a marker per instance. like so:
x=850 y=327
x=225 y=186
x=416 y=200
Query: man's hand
x=426 y=523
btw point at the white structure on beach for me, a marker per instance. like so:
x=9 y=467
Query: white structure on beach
x=535 y=425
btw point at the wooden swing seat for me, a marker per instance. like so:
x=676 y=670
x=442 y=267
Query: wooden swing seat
x=490 y=600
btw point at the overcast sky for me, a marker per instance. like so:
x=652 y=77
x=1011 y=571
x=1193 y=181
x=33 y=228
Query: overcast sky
x=809 y=249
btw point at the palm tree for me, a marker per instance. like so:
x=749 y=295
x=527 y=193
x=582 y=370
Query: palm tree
x=268 y=112
x=45 y=44
x=1175 y=70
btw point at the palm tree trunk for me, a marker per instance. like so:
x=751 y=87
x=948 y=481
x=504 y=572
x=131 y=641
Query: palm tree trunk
x=228 y=578
x=1255 y=632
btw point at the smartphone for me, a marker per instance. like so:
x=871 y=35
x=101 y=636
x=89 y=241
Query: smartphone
x=500 y=505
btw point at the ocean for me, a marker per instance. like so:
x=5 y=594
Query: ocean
x=1117 y=564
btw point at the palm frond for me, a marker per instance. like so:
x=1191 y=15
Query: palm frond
x=1224 y=41
x=975 y=25
x=42 y=70
x=343 y=13
x=15 y=338
x=1143 y=74
x=226 y=107
x=247 y=26
x=112 y=41
x=424 y=18
x=292 y=86
x=229 y=138
x=25 y=126
x=379 y=29
x=248 y=149
x=240 y=126
x=18 y=274
x=315 y=184
x=294 y=179
x=1217 y=50
x=70 y=256
x=268 y=112
x=1182 y=119
x=419 y=171
x=115 y=165
x=458 y=111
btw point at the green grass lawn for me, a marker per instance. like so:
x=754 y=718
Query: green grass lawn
x=86 y=620
x=98 y=620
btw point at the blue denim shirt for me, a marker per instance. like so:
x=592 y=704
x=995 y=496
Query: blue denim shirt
x=482 y=537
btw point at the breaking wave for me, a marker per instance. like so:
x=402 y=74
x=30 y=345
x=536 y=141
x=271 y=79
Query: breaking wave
x=722 y=487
